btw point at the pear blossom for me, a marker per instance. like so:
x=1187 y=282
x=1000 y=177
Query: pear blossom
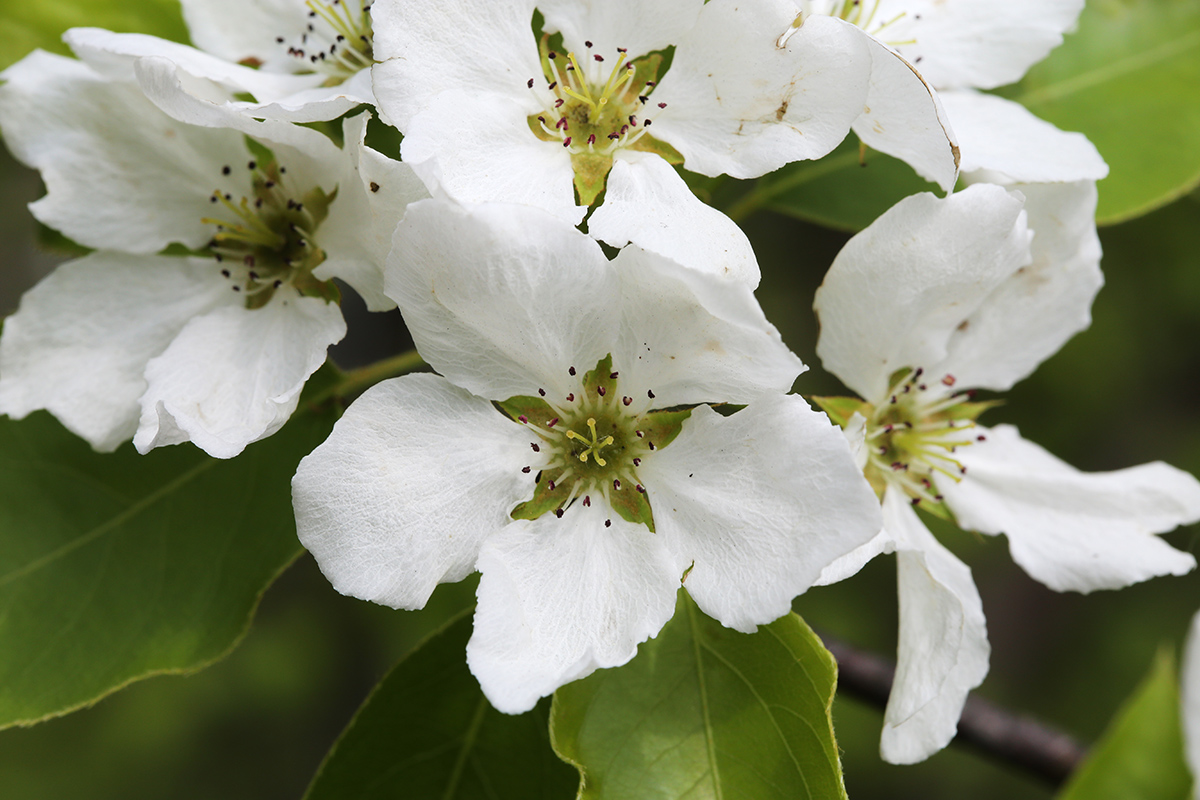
x=934 y=299
x=300 y=60
x=492 y=113
x=212 y=345
x=569 y=452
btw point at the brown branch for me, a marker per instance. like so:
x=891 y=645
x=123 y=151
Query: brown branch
x=1014 y=739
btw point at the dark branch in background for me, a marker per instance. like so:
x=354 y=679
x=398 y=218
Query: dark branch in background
x=1015 y=739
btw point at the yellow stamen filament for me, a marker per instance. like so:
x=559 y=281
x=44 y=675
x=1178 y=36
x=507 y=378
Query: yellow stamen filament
x=594 y=444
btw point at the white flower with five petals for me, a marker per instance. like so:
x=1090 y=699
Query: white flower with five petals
x=941 y=296
x=491 y=113
x=210 y=348
x=606 y=480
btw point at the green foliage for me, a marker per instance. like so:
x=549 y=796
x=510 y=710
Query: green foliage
x=706 y=712
x=26 y=25
x=114 y=567
x=1141 y=754
x=845 y=190
x=1130 y=80
x=427 y=731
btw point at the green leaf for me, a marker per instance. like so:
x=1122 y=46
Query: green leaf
x=1141 y=754
x=115 y=567
x=844 y=190
x=706 y=712
x=1130 y=80
x=27 y=25
x=427 y=731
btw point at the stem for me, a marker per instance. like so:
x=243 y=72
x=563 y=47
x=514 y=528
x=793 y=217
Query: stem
x=359 y=380
x=1015 y=739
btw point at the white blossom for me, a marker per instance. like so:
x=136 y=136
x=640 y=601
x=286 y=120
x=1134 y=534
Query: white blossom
x=211 y=346
x=491 y=113
x=300 y=60
x=607 y=480
x=935 y=298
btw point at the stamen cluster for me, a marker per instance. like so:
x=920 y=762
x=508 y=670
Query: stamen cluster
x=267 y=240
x=339 y=40
x=590 y=444
x=585 y=115
x=911 y=438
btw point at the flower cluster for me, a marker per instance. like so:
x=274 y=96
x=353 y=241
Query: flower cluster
x=611 y=418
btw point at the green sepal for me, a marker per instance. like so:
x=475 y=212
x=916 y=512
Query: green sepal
x=970 y=410
x=602 y=375
x=841 y=409
x=544 y=499
x=591 y=174
x=648 y=144
x=309 y=286
x=630 y=504
x=939 y=510
x=645 y=69
x=533 y=409
x=661 y=427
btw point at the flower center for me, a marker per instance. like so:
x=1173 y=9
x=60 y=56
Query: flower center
x=588 y=116
x=338 y=42
x=266 y=241
x=588 y=446
x=911 y=439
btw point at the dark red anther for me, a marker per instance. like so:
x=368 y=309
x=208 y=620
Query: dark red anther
x=571 y=397
x=558 y=512
x=600 y=390
x=608 y=523
x=587 y=501
x=550 y=486
x=948 y=380
x=530 y=84
x=617 y=484
x=571 y=371
x=552 y=423
x=637 y=462
x=542 y=392
x=626 y=400
x=525 y=470
x=567 y=142
x=640 y=488
x=536 y=449
x=521 y=418
x=650 y=394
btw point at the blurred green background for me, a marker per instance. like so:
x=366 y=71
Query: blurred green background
x=257 y=724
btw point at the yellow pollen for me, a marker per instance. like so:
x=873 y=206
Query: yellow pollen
x=593 y=444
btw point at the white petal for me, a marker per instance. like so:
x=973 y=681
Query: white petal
x=738 y=104
x=943 y=648
x=357 y=234
x=981 y=43
x=479 y=148
x=759 y=503
x=692 y=338
x=1071 y=530
x=309 y=157
x=119 y=173
x=899 y=289
x=635 y=25
x=79 y=344
x=238 y=30
x=1028 y=317
x=1002 y=137
x=114 y=54
x=475 y=46
x=233 y=376
x=647 y=203
x=849 y=565
x=1190 y=701
x=904 y=118
x=502 y=299
x=415 y=475
x=560 y=598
